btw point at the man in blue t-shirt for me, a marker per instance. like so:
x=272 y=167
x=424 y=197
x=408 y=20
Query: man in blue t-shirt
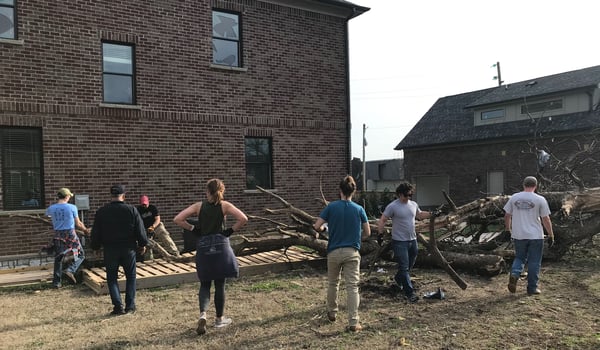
x=347 y=224
x=67 y=247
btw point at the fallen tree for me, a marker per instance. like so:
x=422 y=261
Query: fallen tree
x=469 y=237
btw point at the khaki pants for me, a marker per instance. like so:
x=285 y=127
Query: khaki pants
x=347 y=260
x=163 y=237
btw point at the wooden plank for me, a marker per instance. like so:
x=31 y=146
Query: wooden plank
x=159 y=272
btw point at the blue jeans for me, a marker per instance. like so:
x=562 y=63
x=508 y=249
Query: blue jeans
x=72 y=267
x=113 y=258
x=405 y=253
x=528 y=251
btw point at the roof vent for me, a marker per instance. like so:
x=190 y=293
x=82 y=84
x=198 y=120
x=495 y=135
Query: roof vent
x=531 y=83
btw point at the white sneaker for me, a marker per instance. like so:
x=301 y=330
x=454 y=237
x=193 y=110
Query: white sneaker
x=201 y=326
x=223 y=322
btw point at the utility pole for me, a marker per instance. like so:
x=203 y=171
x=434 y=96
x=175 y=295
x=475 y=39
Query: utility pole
x=499 y=76
x=364 y=163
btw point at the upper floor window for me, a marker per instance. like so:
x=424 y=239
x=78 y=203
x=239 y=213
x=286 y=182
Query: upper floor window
x=226 y=42
x=542 y=106
x=21 y=168
x=8 y=19
x=259 y=164
x=493 y=114
x=118 y=73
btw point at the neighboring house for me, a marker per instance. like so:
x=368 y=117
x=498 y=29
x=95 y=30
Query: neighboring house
x=163 y=95
x=384 y=175
x=484 y=142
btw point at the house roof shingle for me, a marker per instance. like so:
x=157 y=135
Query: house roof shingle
x=450 y=119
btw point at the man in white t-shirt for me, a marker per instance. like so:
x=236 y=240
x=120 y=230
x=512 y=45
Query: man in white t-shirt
x=526 y=215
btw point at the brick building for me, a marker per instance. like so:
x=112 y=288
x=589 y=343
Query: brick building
x=484 y=142
x=163 y=95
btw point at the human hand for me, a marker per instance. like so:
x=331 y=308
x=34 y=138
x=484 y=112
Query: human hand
x=150 y=229
x=227 y=232
x=550 y=241
x=142 y=250
x=380 y=239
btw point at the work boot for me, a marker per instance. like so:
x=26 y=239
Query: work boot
x=512 y=283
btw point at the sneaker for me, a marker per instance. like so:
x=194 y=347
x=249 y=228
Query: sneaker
x=331 y=316
x=71 y=277
x=512 y=283
x=354 y=329
x=413 y=298
x=117 y=311
x=201 y=326
x=535 y=292
x=56 y=286
x=223 y=322
x=130 y=311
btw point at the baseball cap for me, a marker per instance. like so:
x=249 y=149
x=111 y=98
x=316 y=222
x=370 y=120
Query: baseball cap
x=63 y=192
x=117 y=189
x=144 y=200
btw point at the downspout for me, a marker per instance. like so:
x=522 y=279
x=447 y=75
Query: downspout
x=349 y=118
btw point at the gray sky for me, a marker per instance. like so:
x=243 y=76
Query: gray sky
x=404 y=55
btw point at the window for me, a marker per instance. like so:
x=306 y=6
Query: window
x=258 y=163
x=493 y=114
x=541 y=106
x=118 y=73
x=226 y=39
x=8 y=19
x=21 y=168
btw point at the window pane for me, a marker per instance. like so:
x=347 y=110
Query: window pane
x=21 y=168
x=258 y=163
x=7 y=2
x=7 y=22
x=225 y=52
x=258 y=174
x=117 y=59
x=118 y=88
x=498 y=113
x=225 y=25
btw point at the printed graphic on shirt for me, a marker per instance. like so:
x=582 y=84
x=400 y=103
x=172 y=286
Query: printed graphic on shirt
x=524 y=204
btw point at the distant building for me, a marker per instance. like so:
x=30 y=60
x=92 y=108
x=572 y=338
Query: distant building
x=382 y=175
x=484 y=142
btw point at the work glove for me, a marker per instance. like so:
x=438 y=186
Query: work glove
x=142 y=250
x=227 y=232
x=550 y=241
x=380 y=239
x=435 y=213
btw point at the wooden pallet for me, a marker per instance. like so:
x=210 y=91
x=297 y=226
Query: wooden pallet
x=158 y=272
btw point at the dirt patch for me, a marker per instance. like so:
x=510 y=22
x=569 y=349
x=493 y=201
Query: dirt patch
x=287 y=311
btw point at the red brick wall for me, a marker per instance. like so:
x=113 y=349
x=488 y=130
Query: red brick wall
x=193 y=118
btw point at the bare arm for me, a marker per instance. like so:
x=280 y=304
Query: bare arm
x=192 y=210
x=548 y=226
x=423 y=215
x=80 y=224
x=240 y=218
x=381 y=223
x=156 y=221
x=366 y=231
x=318 y=225
x=507 y=221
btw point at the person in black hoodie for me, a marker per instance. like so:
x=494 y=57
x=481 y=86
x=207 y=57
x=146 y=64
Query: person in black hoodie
x=118 y=227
